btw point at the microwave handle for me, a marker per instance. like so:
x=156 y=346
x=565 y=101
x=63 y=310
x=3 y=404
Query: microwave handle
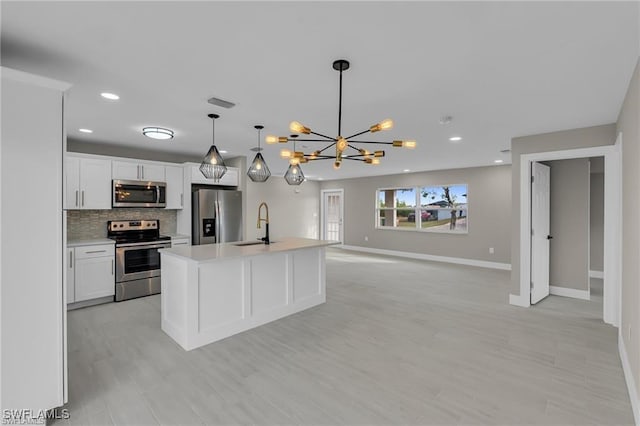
x=158 y=194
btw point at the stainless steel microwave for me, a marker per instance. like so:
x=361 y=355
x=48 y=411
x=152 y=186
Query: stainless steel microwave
x=134 y=193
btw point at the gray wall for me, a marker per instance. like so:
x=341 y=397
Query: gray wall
x=569 y=248
x=596 y=219
x=293 y=210
x=489 y=190
x=629 y=125
x=556 y=141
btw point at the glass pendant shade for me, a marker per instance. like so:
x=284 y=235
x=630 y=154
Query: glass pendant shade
x=258 y=171
x=213 y=166
x=294 y=175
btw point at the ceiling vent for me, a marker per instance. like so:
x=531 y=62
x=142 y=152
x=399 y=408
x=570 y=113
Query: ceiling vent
x=221 y=103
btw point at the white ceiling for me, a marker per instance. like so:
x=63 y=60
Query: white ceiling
x=501 y=69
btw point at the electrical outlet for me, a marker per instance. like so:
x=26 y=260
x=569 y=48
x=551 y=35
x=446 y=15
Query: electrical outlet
x=491 y=250
x=366 y=238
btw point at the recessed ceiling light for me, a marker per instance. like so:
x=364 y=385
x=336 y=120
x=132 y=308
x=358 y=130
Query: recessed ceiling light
x=222 y=151
x=157 y=133
x=455 y=138
x=85 y=130
x=406 y=170
x=497 y=161
x=110 y=96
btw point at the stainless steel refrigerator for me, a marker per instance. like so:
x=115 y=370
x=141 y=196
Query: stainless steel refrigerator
x=216 y=216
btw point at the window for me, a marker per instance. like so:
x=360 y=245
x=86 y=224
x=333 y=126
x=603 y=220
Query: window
x=436 y=208
x=395 y=206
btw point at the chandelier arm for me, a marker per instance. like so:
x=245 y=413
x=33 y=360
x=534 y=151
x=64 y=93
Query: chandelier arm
x=352 y=159
x=326 y=147
x=373 y=142
x=321 y=158
x=358 y=134
x=324 y=136
x=309 y=140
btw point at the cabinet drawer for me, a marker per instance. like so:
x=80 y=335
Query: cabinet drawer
x=101 y=250
x=179 y=242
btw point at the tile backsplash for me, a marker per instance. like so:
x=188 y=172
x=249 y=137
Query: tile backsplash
x=89 y=224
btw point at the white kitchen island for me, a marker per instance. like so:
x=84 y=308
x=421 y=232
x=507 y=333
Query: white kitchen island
x=214 y=291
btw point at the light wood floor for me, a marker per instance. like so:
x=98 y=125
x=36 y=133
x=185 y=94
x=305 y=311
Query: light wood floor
x=398 y=342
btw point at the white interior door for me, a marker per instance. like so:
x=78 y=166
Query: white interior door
x=332 y=215
x=540 y=213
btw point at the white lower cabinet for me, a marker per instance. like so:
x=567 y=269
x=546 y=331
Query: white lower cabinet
x=180 y=241
x=71 y=276
x=91 y=274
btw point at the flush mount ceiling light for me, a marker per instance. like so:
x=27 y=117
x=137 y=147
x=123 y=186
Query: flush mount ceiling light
x=213 y=166
x=258 y=171
x=498 y=161
x=345 y=148
x=157 y=133
x=455 y=138
x=110 y=96
x=85 y=130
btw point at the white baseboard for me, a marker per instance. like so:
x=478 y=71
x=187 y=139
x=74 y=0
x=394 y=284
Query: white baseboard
x=518 y=300
x=421 y=256
x=569 y=292
x=628 y=377
x=596 y=274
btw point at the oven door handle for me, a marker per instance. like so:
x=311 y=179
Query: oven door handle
x=144 y=245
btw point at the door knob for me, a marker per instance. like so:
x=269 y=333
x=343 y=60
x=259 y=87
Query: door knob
x=549 y=237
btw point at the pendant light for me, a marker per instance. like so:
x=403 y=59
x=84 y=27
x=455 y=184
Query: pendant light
x=213 y=166
x=294 y=175
x=258 y=171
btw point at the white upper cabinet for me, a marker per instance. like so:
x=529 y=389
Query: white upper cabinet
x=230 y=178
x=129 y=170
x=88 y=183
x=175 y=187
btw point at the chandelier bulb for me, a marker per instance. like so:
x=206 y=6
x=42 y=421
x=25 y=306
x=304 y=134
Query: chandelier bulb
x=383 y=125
x=271 y=139
x=297 y=127
x=285 y=153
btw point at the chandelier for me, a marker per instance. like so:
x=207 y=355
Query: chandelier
x=339 y=148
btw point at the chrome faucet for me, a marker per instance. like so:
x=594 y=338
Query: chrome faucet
x=266 y=221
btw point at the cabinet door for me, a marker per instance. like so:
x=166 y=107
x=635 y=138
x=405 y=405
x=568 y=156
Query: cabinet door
x=175 y=187
x=71 y=279
x=152 y=172
x=95 y=183
x=230 y=178
x=126 y=170
x=95 y=277
x=72 y=183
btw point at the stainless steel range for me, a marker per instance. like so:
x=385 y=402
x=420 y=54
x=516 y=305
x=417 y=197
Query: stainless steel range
x=137 y=257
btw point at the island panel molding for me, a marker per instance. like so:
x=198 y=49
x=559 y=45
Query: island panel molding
x=214 y=291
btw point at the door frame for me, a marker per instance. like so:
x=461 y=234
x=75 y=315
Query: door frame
x=322 y=213
x=612 y=223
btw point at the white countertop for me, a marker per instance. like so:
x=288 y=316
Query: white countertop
x=92 y=242
x=174 y=236
x=212 y=252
